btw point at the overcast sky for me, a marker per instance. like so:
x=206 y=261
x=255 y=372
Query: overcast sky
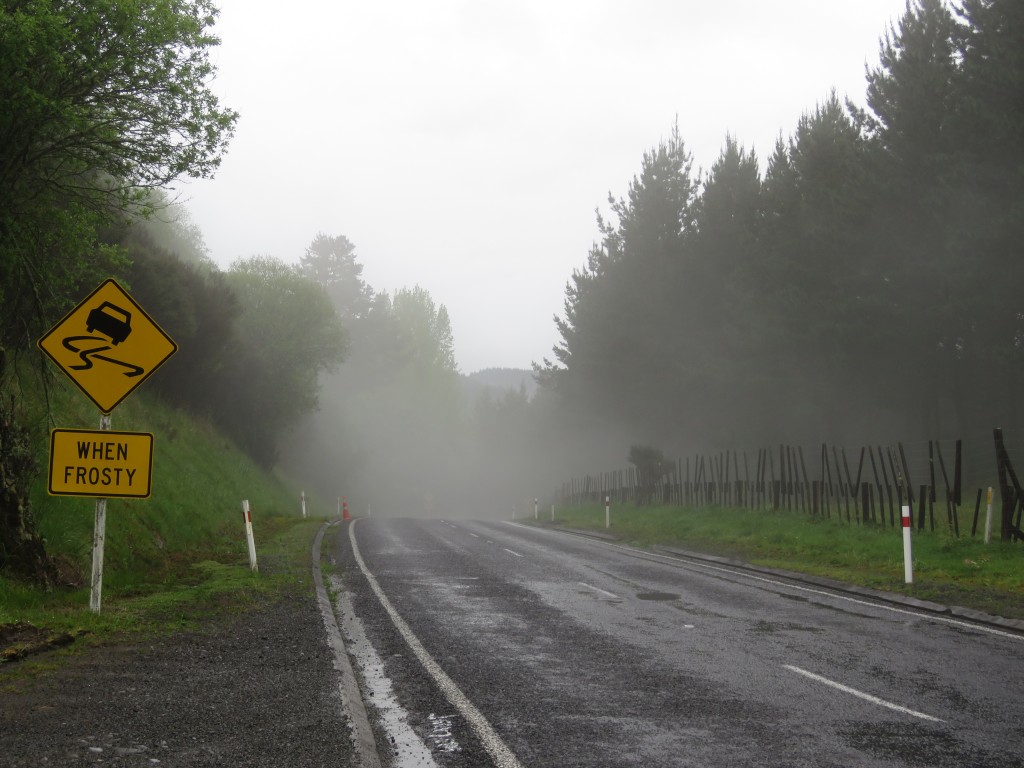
x=464 y=145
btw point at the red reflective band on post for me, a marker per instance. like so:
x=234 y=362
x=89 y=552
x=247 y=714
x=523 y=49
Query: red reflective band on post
x=906 y=521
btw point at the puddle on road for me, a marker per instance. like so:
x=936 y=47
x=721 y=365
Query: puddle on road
x=407 y=749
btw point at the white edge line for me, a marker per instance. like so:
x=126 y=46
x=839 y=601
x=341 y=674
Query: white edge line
x=861 y=694
x=492 y=742
x=790 y=585
x=511 y=552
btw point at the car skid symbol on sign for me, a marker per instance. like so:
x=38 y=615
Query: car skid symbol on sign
x=87 y=356
x=112 y=321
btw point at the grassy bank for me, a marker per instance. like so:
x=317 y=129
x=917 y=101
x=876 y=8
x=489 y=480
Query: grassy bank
x=955 y=571
x=170 y=560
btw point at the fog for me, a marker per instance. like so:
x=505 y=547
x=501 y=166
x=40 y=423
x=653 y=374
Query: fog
x=465 y=146
x=834 y=287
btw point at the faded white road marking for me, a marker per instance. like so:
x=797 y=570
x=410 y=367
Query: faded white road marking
x=511 y=552
x=609 y=595
x=492 y=742
x=474 y=536
x=861 y=694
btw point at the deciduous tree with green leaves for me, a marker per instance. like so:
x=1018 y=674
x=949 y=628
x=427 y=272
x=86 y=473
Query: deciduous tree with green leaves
x=100 y=103
x=287 y=334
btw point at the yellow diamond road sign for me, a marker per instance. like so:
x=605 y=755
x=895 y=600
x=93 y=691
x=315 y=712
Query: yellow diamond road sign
x=105 y=463
x=108 y=345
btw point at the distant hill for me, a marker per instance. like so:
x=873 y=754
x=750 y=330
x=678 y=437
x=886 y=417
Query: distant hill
x=498 y=379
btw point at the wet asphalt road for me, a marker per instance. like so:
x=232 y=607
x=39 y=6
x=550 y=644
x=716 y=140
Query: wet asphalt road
x=580 y=653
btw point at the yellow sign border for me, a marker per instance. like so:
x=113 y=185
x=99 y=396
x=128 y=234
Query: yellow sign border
x=106 y=435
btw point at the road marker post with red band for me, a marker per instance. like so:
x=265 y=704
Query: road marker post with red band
x=908 y=562
x=607 y=512
x=247 y=513
x=302 y=498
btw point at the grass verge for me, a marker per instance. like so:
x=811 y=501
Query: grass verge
x=953 y=571
x=192 y=595
x=171 y=561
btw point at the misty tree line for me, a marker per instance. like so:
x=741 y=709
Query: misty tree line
x=866 y=285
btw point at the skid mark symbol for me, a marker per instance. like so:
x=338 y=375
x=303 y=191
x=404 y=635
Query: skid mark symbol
x=88 y=354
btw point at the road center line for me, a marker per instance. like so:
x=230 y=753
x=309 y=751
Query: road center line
x=691 y=563
x=610 y=595
x=511 y=552
x=861 y=694
x=492 y=742
x=474 y=536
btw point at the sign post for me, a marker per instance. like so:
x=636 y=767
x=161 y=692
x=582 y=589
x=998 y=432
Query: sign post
x=99 y=535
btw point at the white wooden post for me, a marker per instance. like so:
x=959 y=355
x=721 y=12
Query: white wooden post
x=908 y=560
x=249 y=537
x=303 y=498
x=552 y=513
x=99 y=535
x=534 y=509
x=607 y=512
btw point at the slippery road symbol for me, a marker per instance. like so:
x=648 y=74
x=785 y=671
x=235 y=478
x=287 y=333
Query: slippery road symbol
x=107 y=345
x=112 y=321
x=70 y=343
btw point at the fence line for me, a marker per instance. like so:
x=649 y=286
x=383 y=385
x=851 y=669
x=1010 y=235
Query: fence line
x=781 y=481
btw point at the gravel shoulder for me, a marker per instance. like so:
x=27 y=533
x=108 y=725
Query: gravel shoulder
x=255 y=689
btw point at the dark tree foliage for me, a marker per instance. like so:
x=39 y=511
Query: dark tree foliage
x=99 y=102
x=287 y=334
x=947 y=128
x=196 y=307
x=619 y=345
x=331 y=262
x=21 y=547
x=871 y=279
